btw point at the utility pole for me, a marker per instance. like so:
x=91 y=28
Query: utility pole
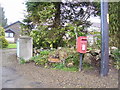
x=105 y=38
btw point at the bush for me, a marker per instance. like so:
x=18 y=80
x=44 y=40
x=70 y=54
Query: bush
x=116 y=54
x=2 y=31
x=41 y=59
x=3 y=42
x=44 y=38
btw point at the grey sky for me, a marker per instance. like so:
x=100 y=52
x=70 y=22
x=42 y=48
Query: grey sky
x=14 y=9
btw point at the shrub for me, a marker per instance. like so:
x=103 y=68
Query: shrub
x=116 y=54
x=41 y=59
x=2 y=31
x=3 y=42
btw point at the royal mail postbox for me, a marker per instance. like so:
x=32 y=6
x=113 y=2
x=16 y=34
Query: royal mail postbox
x=81 y=44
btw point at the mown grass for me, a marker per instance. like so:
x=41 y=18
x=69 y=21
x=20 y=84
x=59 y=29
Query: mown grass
x=12 y=45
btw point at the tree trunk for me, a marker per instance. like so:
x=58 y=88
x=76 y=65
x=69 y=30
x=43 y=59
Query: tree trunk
x=57 y=21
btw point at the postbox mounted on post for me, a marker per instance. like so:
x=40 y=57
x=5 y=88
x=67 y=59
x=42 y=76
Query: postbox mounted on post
x=81 y=44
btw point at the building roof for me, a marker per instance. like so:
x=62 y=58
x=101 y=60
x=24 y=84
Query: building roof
x=9 y=30
x=12 y=24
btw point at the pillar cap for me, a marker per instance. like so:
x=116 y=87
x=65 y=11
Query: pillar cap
x=25 y=37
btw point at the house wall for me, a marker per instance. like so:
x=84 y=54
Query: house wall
x=11 y=40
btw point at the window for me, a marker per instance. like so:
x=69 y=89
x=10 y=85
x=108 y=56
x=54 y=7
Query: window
x=9 y=35
x=6 y=34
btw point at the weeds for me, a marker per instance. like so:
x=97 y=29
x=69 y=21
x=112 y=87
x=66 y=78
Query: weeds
x=22 y=61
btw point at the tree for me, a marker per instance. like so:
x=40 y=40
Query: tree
x=55 y=15
x=57 y=20
x=26 y=27
x=3 y=20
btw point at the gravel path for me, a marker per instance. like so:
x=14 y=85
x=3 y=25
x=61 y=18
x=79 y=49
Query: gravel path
x=15 y=75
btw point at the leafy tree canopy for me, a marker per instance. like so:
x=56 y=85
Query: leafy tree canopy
x=53 y=21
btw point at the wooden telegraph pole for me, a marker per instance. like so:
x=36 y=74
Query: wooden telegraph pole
x=105 y=38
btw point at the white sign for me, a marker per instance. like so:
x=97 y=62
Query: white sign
x=83 y=47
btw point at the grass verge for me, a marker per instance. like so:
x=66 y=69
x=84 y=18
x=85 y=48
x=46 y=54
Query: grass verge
x=12 y=45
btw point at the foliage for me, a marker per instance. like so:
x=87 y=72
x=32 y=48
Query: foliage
x=114 y=9
x=73 y=57
x=45 y=38
x=56 y=37
x=116 y=54
x=2 y=31
x=22 y=61
x=39 y=38
x=38 y=14
x=48 y=18
x=87 y=66
x=26 y=28
x=3 y=20
x=98 y=41
x=61 y=66
x=3 y=42
x=58 y=66
x=41 y=59
x=73 y=32
x=72 y=11
x=94 y=33
x=45 y=52
x=40 y=11
x=73 y=69
x=61 y=11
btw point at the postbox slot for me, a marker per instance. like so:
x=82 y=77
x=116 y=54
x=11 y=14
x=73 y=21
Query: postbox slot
x=84 y=39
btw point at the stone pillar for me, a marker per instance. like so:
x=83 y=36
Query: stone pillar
x=24 y=47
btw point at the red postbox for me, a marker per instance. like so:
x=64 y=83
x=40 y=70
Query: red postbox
x=81 y=44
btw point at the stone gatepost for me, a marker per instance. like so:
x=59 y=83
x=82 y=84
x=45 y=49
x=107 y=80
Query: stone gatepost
x=24 y=48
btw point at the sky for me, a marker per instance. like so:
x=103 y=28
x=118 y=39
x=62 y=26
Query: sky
x=15 y=10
